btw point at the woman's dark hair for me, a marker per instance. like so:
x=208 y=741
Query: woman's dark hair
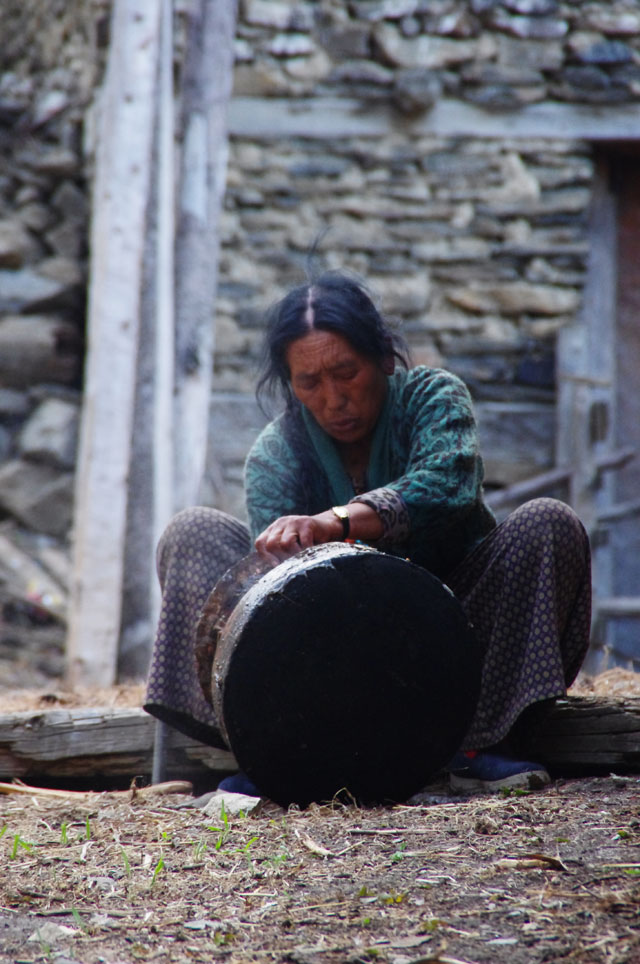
x=333 y=302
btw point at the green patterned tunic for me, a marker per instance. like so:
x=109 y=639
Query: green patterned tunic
x=424 y=477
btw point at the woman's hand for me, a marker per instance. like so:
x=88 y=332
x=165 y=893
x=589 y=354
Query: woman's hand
x=291 y=533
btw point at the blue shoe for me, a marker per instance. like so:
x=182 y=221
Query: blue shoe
x=239 y=783
x=490 y=771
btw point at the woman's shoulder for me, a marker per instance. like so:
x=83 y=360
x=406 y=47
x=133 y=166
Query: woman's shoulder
x=271 y=435
x=423 y=384
x=274 y=442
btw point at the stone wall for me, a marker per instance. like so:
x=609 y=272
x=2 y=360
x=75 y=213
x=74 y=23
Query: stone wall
x=476 y=245
x=46 y=87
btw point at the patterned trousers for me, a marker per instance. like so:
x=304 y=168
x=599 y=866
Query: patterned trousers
x=526 y=589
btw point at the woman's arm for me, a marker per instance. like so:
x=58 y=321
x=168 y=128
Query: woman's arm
x=291 y=533
x=440 y=481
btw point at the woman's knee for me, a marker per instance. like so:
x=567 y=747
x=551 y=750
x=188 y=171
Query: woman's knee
x=201 y=528
x=545 y=518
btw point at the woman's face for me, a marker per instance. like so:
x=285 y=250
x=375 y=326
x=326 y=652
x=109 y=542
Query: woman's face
x=343 y=390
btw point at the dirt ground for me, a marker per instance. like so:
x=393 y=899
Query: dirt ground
x=122 y=877
x=550 y=876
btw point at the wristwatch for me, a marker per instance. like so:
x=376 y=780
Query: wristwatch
x=342 y=512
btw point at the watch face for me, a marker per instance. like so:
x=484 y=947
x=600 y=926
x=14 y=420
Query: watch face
x=342 y=512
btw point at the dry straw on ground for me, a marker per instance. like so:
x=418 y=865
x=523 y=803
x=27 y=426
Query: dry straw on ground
x=116 y=878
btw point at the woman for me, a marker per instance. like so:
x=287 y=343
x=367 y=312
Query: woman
x=369 y=450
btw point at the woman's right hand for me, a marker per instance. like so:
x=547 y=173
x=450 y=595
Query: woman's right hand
x=290 y=534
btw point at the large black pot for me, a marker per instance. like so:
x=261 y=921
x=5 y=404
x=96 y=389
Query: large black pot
x=345 y=669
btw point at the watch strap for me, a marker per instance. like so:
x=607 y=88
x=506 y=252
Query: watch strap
x=342 y=513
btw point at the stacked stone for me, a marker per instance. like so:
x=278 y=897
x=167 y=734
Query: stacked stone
x=44 y=96
x=478 y=246
x=499 y=54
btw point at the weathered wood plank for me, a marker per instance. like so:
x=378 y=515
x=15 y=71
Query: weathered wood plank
x=117 y=278
x=96 y=742
x=150 y=478
x=590 y=734
x=580 y=735
x=335 y=117
x=544 y=482
x=618 y=606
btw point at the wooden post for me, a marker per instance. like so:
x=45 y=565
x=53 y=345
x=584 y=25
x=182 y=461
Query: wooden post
x=150 y=495
x=586 y=379
x=128 y=483
x=121 y=197
x=205 y=96
x=206 y=90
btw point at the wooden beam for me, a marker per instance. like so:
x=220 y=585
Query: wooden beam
x=618 y=606
x=163 y=490
x=590 y=734
x=97 y=743
x=545 y=481
x=121 y=195
x=583 y=734
x=528 y=488
x=150 y=478
x=621 y=510
x=332 y=117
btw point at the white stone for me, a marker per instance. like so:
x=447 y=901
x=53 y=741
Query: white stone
x=500 y=331
x=463 y=215
x=581 y=40
x=452 y=249
x=48 y=105
x=517 y=297
x=310 y=69
x=612 y=21
x=388 y=10
x=57 y=162
x=259 y=79
x=442 y=319
x=232 y=804
x=50 y=933
x=26 y=290
x=291 y=45
x=518 y=183
x=539 y=299
x=271 y=13
x=242 y=51
x=16 y=244
x=247 y=157
x=404 y=295
x=51 y=433
x=65 y=270
x=517 y=231
x=431 y=52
